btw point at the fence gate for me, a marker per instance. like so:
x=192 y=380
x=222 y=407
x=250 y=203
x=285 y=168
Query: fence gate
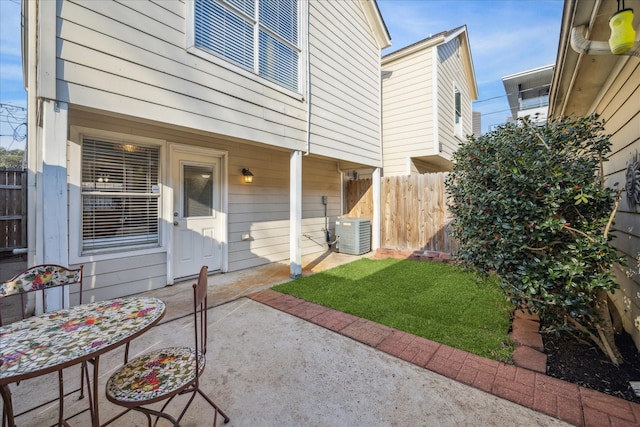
x=13 y=209
x=414 y=214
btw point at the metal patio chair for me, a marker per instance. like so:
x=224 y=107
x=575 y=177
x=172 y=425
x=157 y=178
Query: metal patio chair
x=30 y=289
x=166 y=373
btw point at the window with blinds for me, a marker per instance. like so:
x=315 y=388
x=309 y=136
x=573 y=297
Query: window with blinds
x=263 y=39
x=120 y=196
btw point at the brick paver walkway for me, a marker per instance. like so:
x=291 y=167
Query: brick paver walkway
x=566 y=401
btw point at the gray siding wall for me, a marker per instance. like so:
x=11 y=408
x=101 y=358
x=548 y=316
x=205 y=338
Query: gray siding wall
x=260 y=209
x=345 y=83
x=320 y=177
x=619 y=107
x=407 y=111
x=450 y=74
x=131 y=58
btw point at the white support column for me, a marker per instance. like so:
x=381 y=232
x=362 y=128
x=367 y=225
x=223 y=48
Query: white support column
x=52 y=211
x=295 y=214
x=375 y=226
x=32 y=132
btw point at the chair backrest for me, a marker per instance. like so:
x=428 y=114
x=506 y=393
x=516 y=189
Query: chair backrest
x=36 y=281
x=200 y=313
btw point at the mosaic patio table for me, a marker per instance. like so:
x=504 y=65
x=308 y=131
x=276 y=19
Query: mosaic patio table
x=62 y=338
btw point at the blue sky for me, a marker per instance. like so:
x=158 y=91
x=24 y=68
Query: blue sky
x=11 y=87
x=506 y=37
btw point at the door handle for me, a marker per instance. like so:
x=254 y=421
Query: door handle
x=175 y=223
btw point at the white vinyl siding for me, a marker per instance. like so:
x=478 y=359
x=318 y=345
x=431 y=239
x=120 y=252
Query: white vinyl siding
x=134 y=59
x=260 y=209
x=407 y=111
x=345 y=83
x=451 y=74
x=319 y=178
x=619 y=107
x=129 y=58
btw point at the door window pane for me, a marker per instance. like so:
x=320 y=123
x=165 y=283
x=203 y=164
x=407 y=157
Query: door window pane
x=198 y=191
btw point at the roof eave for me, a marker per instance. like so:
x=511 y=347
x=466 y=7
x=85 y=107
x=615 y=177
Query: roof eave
x=376 y=23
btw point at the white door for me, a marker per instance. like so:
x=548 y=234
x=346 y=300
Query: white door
x=197 y=226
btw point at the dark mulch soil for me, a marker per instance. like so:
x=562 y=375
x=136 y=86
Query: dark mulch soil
x=584 y=364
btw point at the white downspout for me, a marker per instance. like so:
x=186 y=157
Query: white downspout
x=308 y=60
x=590 y=47
x=587 y=47
x=31 y=9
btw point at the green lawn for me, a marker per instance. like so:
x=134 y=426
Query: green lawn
x=441 y=302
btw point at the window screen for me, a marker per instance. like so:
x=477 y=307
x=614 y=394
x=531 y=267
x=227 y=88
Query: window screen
x=120 y=196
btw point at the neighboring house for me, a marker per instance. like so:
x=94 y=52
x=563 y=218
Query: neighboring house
x=608 y=85
x=145 y=116
x=476 y=123
x=427 y=90
x=528 y=93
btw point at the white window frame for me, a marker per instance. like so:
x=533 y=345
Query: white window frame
x=252 y=74
x=457 y=115
x=76 y=254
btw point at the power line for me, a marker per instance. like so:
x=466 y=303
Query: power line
x=495 y=112
x=489 y=99
x=17 y=107
x=14 y=116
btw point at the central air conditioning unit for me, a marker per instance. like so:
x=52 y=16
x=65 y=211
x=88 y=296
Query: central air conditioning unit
x=353 y=235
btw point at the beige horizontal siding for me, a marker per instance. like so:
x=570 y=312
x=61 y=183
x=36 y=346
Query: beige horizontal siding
x=407 y=92
x=619 y=107
x=123 y=276
x=134 y=62
x=260 y=209
x=450 y=73
x=345 y=77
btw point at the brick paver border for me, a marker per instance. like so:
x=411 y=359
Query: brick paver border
x=560 y=399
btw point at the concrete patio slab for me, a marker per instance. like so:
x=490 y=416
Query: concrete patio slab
x=268 y=368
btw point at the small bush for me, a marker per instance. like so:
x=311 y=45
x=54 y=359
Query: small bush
x=529 y=203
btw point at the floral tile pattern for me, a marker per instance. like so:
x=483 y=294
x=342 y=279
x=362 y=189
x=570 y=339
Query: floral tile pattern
x=62 y=336
x=40 y=277
x=154 y=374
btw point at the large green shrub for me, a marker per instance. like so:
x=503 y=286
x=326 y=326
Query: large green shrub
x=529 y=204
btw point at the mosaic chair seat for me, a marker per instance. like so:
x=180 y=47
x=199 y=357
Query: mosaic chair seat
x=29 y=292
x=168 y=372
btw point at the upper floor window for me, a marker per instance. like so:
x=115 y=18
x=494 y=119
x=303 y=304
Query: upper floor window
x=259 y=35
x=457 y=124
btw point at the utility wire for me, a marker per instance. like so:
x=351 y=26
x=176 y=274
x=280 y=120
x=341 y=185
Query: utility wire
x=14 y=116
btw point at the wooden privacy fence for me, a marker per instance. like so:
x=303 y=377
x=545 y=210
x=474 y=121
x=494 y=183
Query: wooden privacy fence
x=414 y=214
x=13 y=209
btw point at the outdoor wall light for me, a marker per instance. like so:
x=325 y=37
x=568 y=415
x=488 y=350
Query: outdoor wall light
x=248 y=176
x=623 y=36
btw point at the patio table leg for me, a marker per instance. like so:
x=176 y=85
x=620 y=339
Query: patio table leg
x=7 y=411
x=95 y=417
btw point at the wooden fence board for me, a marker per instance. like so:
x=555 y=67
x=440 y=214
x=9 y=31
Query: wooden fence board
x=13 y=212
x=414 y=214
